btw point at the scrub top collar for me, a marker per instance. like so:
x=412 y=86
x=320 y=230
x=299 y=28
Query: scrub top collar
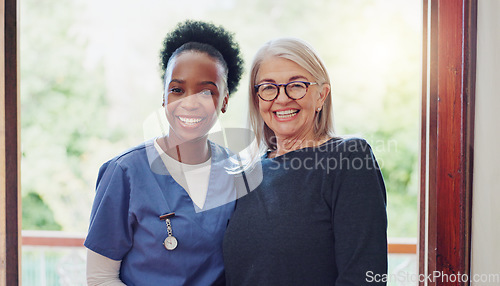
x=219 y=176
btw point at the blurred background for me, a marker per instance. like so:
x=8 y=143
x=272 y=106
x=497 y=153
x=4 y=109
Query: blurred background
x=90 y=78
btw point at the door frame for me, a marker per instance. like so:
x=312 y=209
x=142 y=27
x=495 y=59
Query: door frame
x=447 y=132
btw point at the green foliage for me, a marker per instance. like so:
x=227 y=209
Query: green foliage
x=63 y=109
x=37 y=215
x=372 y=51
x=83 y=82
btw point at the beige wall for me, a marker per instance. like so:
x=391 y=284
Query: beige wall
x=486 y=180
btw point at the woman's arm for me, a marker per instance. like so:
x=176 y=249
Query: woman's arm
x=108 y=240
x=360 y=220
x=102 y=270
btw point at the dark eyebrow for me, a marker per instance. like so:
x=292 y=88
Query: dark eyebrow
x=176 y=81
x=208 y=82
x=201 y=83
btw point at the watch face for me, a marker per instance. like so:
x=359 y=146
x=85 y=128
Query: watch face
x=170 y=243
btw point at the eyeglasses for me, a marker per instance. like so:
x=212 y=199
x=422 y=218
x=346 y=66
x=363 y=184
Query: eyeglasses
x=294 y=90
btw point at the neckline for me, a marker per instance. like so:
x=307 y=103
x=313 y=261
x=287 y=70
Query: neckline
x=332 y=139
x=179 y=166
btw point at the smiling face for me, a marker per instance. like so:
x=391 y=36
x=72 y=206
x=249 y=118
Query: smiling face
x=194 y=90
x=289 y=119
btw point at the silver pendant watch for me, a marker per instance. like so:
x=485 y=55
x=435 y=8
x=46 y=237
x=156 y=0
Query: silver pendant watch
x=170 y=241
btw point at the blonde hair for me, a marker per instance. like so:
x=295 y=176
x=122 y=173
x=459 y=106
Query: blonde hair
x=305 y=56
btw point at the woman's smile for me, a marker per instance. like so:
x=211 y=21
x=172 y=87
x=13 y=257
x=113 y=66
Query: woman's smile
x=190 y=121
x=286 y=115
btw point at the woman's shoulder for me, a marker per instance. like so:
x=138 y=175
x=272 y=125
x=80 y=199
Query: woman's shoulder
x=345 y=144
x=354 y=144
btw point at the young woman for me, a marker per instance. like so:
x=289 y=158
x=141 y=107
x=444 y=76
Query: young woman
x=161 y=208
x=318 y=217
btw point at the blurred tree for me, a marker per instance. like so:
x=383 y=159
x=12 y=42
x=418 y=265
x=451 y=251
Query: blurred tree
x=372 y=51
x=63 y=112
x=69 y=95
x=37 y=214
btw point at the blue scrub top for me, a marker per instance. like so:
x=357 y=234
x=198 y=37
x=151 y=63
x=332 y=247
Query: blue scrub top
x=133 y=190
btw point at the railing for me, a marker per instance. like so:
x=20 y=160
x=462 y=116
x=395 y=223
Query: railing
x=403 y=262
x=51 y=258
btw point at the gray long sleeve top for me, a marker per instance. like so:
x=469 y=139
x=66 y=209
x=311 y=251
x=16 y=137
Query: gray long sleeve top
x=318 y=218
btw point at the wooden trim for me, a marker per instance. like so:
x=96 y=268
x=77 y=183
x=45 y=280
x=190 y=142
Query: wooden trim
x=10 y=155
x=421 y=251
x=3 y=175
x=64 y=239
x=52 y=238
x=431 y=141
x=469 y=88
x=450 y=129
x=53 y=241
x=61 y=239
x=402 y=248
x=470 y=45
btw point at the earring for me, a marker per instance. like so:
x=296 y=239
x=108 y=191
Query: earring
x=319 y=108
x=224 y=105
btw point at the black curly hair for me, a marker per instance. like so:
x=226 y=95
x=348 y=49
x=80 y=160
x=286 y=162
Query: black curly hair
x=208 y=38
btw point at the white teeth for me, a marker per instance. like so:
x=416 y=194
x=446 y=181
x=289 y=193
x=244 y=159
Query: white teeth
x=189 y=120
x=286 y=113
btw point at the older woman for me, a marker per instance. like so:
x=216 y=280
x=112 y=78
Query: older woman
x=319 y=216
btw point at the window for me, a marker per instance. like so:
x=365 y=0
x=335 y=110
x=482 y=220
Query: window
x=93 y=93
